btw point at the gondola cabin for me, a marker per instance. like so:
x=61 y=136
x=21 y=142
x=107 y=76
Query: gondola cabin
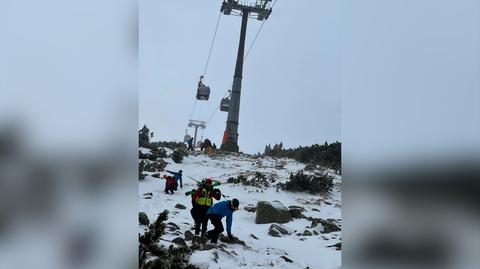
x=224 y=104
x=203 y=92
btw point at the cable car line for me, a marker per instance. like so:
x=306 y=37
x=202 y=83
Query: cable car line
x=211 y=46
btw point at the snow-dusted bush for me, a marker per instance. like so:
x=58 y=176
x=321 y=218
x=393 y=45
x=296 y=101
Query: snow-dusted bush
x=154 y=166
x=259 y=180
x=153 y=256
x=169 y=144
x=306 y=183
x=178 y=154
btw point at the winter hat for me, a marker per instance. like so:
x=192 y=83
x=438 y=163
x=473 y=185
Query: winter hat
x=235 y=202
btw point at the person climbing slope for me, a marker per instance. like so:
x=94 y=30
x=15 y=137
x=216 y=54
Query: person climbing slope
x=201 y=202
x=170 y=184
x=215 y=215
x=177 y=176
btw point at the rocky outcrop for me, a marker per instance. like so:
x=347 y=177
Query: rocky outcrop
x=328 y=225
x=274 y=212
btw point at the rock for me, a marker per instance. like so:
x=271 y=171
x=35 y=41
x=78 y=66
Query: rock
x=296 y=211
x=315 y=209
x=338 y=246
x=276 y=229
x=315 y=232
x=328 y=225
x=199 y=240
x=310 y=167
x=175 y=226
x=188 y=235
x=250 y=208
x=274 y=232
x=143 y=219
x=148 y=193
x=209 y=246
x=180 y=206
x=298 y=234
x=286 y=259
x=272 y=212
x=307 y=233
x=235 y=240
x=148 y=197
x=156 y=175
x=179 y=241
x=327 y=203
x=253 y=236
x=301 y=209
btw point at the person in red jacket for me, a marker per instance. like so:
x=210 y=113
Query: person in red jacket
x=170 y=184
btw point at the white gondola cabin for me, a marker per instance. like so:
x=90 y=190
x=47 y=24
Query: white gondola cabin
x=225 y=104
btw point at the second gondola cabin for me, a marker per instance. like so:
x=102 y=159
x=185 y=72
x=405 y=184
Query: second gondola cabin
x=225 y=104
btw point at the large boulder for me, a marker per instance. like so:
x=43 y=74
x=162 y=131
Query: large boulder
x=272 y=212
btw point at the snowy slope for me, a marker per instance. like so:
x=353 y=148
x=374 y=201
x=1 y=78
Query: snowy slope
x=311 y=251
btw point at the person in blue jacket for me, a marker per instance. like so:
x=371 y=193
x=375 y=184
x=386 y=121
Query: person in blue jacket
x=177 y=176
x=215 y=215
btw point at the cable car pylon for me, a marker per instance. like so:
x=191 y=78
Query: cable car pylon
x=197 y=124
x=261 y=11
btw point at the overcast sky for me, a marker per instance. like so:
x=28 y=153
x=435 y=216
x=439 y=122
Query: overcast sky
x=291 y=80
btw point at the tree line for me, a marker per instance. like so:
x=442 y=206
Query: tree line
x=327 y=155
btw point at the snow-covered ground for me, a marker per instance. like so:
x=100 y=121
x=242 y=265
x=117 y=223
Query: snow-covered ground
x=266 y=251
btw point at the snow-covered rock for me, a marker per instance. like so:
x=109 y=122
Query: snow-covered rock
x=277 y=230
